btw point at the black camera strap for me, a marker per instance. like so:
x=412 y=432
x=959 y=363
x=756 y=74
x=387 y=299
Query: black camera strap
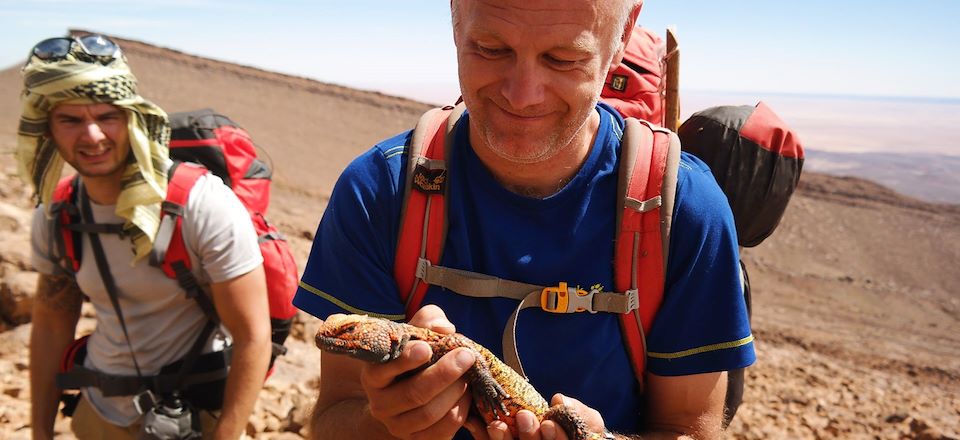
x=163 y=387
x=104 y=269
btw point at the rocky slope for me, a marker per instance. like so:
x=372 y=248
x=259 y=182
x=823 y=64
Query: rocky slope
x=856 y=297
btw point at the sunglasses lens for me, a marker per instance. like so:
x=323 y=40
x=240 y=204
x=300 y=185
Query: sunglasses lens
x=52 y=48
x=98 y=45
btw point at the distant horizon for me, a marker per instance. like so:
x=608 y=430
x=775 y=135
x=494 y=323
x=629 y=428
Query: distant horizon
x=854 y=48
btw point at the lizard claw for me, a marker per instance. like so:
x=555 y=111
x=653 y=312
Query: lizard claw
x=488 y=393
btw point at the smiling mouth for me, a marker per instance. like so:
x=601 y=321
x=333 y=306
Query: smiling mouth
x=521 y=116
x=94 y=153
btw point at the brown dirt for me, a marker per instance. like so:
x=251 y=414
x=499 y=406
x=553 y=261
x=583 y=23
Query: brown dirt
x=856 y=297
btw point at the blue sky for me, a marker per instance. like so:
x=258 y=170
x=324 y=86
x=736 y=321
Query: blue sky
x=853 y=47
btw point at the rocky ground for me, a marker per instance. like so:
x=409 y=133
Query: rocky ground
x=856 y=297
x=805 y=385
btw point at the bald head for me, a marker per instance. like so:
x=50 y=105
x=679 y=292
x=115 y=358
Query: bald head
x=619 y=16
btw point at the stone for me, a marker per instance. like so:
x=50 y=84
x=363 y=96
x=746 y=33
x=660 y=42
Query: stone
x=15 y=249
x=16 y=296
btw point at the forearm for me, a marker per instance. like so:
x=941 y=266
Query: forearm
x=247 y=371
x=349 y=418
x=242 y=304
x=56 y=310
x=46 y=348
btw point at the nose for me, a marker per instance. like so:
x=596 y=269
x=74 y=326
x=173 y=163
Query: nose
x=93 y=133
x=523 y=85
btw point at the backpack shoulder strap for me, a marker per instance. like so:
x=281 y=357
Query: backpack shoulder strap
x=64 y=211
x=650 y=158
x=169 y=250
x=423 y=222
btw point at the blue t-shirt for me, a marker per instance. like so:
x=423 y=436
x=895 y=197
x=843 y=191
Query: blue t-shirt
x=702 y=325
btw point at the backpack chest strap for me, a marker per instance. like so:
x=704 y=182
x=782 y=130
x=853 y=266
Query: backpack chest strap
x=554 y=299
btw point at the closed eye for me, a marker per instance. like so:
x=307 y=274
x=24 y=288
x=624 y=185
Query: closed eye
x=492 y=52
x=64 y=119
x=109 y=117
x=561 y=63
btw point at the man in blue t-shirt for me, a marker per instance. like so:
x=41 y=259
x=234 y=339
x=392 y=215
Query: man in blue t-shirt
x=531 y=197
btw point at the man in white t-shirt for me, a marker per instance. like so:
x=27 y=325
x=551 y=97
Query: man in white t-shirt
x=81 y=107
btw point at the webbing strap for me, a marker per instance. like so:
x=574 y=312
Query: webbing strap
x=510 y=354
x=472 y=284
x=478 y=285
x=549 y=299
x=118 y=385
x=162 y=242
x=644 y=206
x=271 y=236
x=97 y=228
x=121 y=385
x=108 y=282
x=423 y=226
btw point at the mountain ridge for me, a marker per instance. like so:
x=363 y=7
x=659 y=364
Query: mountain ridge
x=856 y=298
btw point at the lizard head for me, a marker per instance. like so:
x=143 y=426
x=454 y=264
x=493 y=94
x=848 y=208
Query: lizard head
x=360 y=336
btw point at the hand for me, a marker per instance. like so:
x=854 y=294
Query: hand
x=529 y=428
x=415 y=403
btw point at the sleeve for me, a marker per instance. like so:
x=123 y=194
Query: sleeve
x=350 y=268
x=41 y=247
x=702 y=325
x=219 y=229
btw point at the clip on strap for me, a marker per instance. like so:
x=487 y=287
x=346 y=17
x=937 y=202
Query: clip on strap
x=564 y=299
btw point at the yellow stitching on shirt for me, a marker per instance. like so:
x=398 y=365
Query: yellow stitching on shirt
x=703 y=349
x=390 y=153
x=346 y=306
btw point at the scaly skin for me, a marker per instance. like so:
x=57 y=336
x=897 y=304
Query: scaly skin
x=498 y=391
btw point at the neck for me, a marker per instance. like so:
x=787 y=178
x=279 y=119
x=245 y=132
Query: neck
x=102 y=190
x=544 y=178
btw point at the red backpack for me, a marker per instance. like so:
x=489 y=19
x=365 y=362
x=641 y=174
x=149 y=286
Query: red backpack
x=648 y=178
x=201 y=141
x=636 y=87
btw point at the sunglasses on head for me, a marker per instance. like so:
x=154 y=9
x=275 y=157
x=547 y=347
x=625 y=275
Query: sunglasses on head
x=99 y=47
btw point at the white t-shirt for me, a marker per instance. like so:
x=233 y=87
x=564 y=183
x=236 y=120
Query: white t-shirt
x=162 y=322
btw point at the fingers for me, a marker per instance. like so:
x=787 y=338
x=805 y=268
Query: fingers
x=378 y=376
x=433 y=318
x=477 y=428
x=528 y=428
x=432 y=403
x=498 y=430
x=590 y=416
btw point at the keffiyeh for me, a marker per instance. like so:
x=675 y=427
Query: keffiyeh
x=78 y=80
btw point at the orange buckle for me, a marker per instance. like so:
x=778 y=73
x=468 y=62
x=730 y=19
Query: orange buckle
x=563 y=299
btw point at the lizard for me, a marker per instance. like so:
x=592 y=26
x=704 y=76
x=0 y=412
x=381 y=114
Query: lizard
x=498 y=391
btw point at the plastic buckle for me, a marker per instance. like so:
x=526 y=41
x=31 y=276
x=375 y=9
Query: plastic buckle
x=563 y=299
x=144 y=401
x=423 y=265
x=633 y=299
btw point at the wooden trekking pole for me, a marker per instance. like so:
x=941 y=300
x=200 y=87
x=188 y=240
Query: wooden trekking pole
x=671 y=118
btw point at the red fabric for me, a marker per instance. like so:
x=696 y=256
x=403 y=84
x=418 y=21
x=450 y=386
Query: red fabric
x=411 y=229
x=766 y=129
x=280 y=270
x=238 y=150
x=69 y=357
x=646 y=182
x=177 y=143
x=641 y=97
x=178 y=192
x=64 y=194
x=253 y=193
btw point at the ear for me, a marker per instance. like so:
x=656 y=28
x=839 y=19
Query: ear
x=625 y=34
